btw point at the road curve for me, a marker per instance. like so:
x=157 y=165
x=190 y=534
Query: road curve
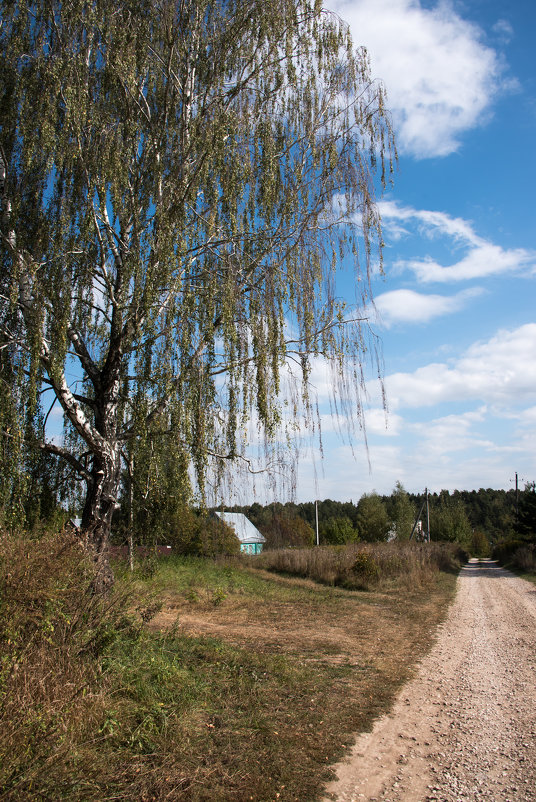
x=465 y=727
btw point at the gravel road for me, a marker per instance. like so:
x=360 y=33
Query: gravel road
x=465 y=726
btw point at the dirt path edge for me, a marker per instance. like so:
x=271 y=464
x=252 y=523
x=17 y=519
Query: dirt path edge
x=465 y=726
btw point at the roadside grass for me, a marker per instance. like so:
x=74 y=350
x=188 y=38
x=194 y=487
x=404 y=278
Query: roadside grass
x=197 y=680
x=367 y=566
x=518 y=556
x=529 y=576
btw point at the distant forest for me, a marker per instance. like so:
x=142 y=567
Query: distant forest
x=457 y=515
x=477 y=519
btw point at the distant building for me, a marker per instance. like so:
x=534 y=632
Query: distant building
x=251 y=540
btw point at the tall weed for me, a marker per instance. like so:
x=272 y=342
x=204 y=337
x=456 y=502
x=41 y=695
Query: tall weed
x=95 y=705
x=363 y=566
x=52 y=628
x=524 y=558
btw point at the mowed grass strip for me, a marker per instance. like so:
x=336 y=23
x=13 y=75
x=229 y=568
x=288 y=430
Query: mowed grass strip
x=214 y=681
x=281 y=672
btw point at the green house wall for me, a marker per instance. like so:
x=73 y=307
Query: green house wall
x=251 y=548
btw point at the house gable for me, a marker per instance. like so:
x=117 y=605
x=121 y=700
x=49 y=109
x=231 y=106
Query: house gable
x=251 y=540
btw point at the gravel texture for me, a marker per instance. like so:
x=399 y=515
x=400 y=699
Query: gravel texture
x=465 y=727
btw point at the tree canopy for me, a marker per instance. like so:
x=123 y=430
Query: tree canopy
x=373 y=520
x=525 y=526
x=178 y=182
x=402 y=513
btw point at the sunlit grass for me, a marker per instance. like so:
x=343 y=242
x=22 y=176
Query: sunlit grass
x=123 y=700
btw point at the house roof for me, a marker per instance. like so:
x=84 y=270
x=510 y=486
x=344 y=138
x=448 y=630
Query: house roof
x=246 y=532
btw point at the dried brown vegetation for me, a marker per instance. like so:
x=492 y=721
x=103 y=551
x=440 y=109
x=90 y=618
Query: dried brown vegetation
x=52 y=629
x=363 y=566
x=245 y=683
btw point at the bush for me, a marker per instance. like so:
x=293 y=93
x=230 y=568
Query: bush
x=364 y=571
x=187 y=532
x=338 y=530
x=480 y=544
x=505 y=550
x=287 y=530
x=215 y=538
x=52 y=629
x=524 y=559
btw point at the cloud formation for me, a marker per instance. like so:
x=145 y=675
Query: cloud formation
x=441 y=78
x=408 y=306
x=452 y=433
x=481 y=258
x=500 y=372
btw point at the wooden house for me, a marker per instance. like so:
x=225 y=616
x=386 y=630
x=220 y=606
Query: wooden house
x=251 y=540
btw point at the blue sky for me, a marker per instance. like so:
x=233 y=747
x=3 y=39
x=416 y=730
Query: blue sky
x=456 y=308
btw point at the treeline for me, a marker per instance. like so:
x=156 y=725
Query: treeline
x=465 y=516
x=161 y=512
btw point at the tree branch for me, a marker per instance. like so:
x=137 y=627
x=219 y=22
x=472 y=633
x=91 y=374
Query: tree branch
x=59 y=451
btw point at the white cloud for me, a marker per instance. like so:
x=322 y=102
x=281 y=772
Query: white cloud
x=525 y=442
x=482 y=258
x=430 y=223
x=440 y=77
x=346 y=473
x=452 y=433
x=380 y=422
x=501 y=371
x=481 y=446
x=408 y=306
x=503 y=29
x=527 y=417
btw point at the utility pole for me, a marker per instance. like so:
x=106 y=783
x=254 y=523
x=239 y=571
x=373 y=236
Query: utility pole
x=316 y=516
x=418 y=518
x=427 y=516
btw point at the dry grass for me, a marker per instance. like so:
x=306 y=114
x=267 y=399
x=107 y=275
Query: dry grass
x=52 y=628
x=518 y=556
x=345 y=654
x=364 y=566
x=524 y=559
x=244 y=685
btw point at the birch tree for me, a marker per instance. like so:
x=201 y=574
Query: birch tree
x=178 y=181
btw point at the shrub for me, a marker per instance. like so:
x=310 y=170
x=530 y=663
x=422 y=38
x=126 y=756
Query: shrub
x=524 y=559
x=364 y=572
x=338 y=530
x=517 y=554
x=480 y=544
x=215 y=538
x=505 y=550
x=287 y=530
x=52 y=629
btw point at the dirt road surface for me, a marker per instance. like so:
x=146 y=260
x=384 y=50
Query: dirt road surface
x=465 y=727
